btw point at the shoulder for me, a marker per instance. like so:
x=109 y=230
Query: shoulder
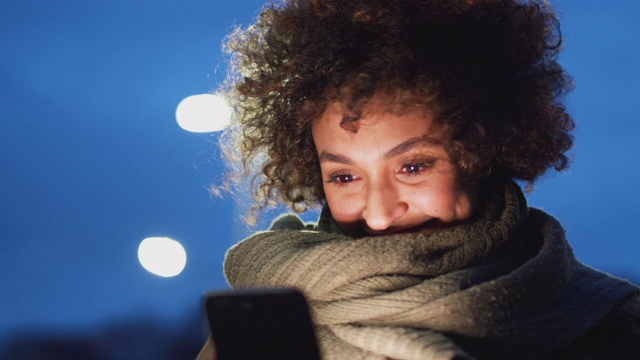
x=616 y=336
x=623 y=323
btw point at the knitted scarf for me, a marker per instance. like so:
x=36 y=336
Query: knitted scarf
x=506 y=280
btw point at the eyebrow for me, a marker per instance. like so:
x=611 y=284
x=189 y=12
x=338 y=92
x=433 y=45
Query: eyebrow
x=393 y=152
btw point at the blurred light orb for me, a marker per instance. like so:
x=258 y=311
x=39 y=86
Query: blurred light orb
x=162 y=256
x=203 y=113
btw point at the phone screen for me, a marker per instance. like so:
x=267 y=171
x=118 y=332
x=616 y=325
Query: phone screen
x=261 y=324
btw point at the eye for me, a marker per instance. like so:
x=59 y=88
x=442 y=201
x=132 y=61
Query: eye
x=341 y=178
x=412 y=168
x=416 y=168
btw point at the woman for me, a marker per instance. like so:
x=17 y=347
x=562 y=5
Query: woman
x=408 y=121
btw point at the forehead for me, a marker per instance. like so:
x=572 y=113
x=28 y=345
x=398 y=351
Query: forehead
x=380 y=136
x=375 y=120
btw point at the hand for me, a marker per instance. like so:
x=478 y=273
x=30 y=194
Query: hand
x=208 y=352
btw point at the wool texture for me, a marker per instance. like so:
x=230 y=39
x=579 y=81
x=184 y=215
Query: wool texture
x=505 y=281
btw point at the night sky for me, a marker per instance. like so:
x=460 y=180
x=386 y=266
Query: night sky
x=92 y=160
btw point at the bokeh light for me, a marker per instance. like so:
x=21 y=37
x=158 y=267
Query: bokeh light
x=162 y=256
x=203 y=113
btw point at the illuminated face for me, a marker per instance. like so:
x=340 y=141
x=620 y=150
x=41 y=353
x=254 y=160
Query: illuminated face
x=390 y=175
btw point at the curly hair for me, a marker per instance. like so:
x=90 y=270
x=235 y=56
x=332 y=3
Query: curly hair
x=487 y=68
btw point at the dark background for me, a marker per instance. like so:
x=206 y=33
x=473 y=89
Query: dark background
x=92 y=162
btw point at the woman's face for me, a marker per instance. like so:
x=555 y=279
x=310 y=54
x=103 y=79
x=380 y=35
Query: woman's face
x=392 y=174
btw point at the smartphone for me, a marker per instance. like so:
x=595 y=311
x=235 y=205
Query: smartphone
x=250 y=324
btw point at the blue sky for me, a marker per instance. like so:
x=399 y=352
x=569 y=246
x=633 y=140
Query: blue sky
x=92 y=160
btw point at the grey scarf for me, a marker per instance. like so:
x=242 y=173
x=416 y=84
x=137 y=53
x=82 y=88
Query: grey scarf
x=507 y=280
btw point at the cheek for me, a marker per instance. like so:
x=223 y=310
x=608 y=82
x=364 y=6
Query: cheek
x=465 y=206
x=427 y=201
x=344 y=208
x=445 y=202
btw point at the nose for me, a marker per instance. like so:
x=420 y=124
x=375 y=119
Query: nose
x=383 y=205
